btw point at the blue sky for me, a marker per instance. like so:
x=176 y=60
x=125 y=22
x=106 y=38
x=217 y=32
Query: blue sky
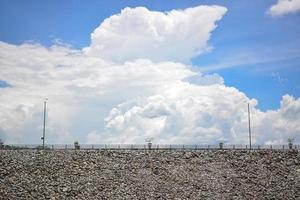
x=252 y=51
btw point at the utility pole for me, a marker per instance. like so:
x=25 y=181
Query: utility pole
x=44 y=128
x=249 y=125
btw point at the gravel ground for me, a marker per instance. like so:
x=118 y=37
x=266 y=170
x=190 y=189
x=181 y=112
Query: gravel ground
x=26 y=174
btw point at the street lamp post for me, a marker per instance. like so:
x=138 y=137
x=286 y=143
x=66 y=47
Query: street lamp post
x=44 y=127
x=249 y=125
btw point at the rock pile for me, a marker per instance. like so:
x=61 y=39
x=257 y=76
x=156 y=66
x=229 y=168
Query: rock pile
x=26 y=174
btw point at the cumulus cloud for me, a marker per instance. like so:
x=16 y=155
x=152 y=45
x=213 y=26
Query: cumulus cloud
x=194 y=114
x=70 y=81
x=177 y=35
x=95 y=99
x=283 y=7
x=275 y=126
x=182 y=113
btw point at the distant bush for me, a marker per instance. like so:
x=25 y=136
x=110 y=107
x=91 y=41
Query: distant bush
x=76 y=144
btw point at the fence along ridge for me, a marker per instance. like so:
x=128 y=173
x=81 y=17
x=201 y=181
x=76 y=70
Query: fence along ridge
x=151 y=147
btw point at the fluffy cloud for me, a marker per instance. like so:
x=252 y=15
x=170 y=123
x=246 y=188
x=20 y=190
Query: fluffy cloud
x=193 y=114
x=71 y=81
x=283 y=7
x=275 y=126
x=135 y=33
x=182 y=113
x=95 y=99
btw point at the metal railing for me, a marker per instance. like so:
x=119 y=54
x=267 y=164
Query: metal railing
x=147 y=147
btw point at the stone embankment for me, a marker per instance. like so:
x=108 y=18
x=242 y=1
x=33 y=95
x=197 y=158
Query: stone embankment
x=26 y=174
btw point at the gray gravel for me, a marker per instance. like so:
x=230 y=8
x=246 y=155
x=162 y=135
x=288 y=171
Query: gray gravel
x=26 y=174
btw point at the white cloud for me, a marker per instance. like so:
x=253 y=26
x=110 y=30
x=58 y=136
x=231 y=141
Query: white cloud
x=71 y=81
x=137 y=99
x=135 y=33
x=181 y=113
x=274 y=127
x=193 y=114
x=98 y=100
x=283 y=7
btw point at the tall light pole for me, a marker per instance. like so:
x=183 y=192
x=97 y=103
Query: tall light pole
x=44 y=128
x=249 y=124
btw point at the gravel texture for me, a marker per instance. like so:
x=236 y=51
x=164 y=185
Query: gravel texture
x=26 y=174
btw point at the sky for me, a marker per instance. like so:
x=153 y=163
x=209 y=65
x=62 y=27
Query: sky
x=175 y=71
